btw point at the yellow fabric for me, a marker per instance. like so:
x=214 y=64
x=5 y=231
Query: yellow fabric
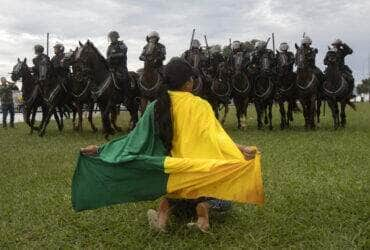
x=204 y=161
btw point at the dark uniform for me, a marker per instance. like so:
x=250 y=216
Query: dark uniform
x=285 y=62
x=117 y=58
x=311 y=60
x=196 y=58
x=59 y=68
x=155 y=53
x=215 y=59
x=239 y=55
x=41 y=67
x=342 y=51
x=257 y=59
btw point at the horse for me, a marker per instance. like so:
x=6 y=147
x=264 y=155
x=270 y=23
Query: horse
x=286 y=91
x=150 y=80
x=32 y=96
x=81 y=88
x=219 y=92
x=336 y=89
x=241 y=90
x=56 y=95
x=111 y=91
x=307 y=84
x=264 y=91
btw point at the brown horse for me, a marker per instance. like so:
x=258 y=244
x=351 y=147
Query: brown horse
x=336 y=89
x=32 y=95
x=150 y=80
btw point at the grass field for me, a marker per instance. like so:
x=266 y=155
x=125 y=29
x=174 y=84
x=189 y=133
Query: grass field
x=317 y=188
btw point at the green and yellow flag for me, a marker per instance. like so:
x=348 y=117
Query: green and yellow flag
x=204 y=162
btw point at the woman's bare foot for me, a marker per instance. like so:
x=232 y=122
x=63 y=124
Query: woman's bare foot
x=90 y=150
x=203 y=218
x=158 y=220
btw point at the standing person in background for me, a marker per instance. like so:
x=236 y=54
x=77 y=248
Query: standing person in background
x=6 y=98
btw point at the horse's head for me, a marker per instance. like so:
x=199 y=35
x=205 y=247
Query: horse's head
x=301 y=60
x=266 y=63
x=238 y=61
x=331 y=57
x=19 y=70
x=89 y=59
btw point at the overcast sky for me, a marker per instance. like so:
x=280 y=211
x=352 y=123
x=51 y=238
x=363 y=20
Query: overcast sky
x=25 y=23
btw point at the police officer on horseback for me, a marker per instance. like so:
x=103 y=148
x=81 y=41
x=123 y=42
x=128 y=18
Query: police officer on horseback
x=41 y=64
x=195 y=57
x=261 y=52
x=59 y=69
x=237 y=53
x=342 y=50
x=215 y=59
x=117 y=55
x=311 y=52
x=285 y=59
x=153 y=52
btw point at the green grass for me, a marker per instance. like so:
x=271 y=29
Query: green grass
x=316 y=184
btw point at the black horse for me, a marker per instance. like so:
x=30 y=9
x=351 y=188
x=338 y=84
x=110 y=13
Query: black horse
x=219 y=89
x=32 y=96
x=81 y=91
x=241 y=90
x=336 y=89
x=264 y=90
x=286 y=90
x=110 y=93
x=307 y=85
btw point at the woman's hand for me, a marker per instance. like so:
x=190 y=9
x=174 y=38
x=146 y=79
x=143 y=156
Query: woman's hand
x=90 y=150
x=248 y=151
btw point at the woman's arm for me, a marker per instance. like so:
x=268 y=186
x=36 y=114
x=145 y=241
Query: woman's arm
x=90 y=150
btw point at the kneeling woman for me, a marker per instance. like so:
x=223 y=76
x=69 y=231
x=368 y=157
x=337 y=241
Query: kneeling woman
x=178 y=151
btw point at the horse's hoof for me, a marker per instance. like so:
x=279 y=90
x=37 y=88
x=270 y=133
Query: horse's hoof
x=271 y=127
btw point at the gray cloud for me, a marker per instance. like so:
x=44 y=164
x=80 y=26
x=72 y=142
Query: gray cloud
x=25 y=23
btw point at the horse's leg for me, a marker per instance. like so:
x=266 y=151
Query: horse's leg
x=270 y=115
x=114 y=116
x=133 y=109
x=332 y=108
x=61 y=112
x=226 y=106
x=343 y=113
x=143 y=104
x=318 y=110
x=90 y=117
x=236 y=103
x=259 y=112
x=282 y=114
x=305 y=113
x=46 y=121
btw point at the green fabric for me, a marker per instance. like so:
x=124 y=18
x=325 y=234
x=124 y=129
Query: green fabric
x=127 y=169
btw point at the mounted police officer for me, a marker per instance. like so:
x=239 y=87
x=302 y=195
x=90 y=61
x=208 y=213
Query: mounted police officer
x=236 y=54
x=59 y=69
x=285 y=59
x=310 y=53
x=342 y=50
x=215 y=59
x=261 y=52
x=41 y=64
x=117 y=55
x=153 y=52
x=195 y=56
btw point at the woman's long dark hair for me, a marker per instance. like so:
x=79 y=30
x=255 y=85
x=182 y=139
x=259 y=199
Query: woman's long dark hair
x=177 y=73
